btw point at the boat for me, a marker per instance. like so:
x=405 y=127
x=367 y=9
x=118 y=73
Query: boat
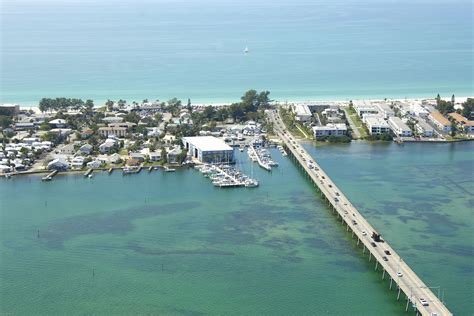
x=90 y=176
x=167 y=169
x=8 y=175
x=246 y=50
x=251 y=183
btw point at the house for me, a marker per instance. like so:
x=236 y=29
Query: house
x=85 y=134
x=440 y=121
x=137 y=156
x=172 y=155
x=58 y=164
x=399 y=128
x=107 y=146
x=330 y=130
x=94 y=164
x=133 y=162
x=86 y=149
x=464 y=123
x=57 y=123
x=5 y=169
x=115 y=158
x=77 y=162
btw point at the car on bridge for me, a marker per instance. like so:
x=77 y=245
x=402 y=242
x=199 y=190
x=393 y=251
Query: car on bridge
x=423 y=302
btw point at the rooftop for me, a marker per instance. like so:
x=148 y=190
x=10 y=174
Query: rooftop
x=440 y=118
x=207 y=143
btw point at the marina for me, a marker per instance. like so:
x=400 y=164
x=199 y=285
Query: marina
x=261 y=156
x=226 y=176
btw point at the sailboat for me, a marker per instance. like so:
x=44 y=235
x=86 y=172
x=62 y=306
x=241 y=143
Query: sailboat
x=246 y=50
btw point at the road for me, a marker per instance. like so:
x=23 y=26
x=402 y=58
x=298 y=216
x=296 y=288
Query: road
x=383 y=253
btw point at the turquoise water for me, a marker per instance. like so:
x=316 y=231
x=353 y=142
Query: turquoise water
x=300 y=49
x=171 y=243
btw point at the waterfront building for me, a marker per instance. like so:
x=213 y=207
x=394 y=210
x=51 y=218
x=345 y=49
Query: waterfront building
x=424 y=129
x=58 y=164
x=208 y=149
x=77 y=162
x=464 y=123
x=302 y=112
x=376 y=125
x=172 y=155
x=440 y=121
x=330 y=130
x=399 y=128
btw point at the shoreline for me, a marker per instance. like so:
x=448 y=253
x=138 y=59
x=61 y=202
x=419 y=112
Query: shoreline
x=460 y=99
x=333 y=100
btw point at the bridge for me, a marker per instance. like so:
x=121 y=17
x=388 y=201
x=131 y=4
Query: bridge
x=402 y=278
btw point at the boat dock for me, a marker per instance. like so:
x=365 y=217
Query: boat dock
x=88 y=172
x=50 y=176
x=256 y=155
x=225 y=176
x=402 y=277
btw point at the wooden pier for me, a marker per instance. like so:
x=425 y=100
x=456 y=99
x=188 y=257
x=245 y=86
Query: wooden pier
x=418 y=295
x=50 y=176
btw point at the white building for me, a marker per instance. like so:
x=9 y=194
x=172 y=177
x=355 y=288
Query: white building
x=424 y=128
x=58 y=164
x=364 y=109
x=440 y=121
x=398 y=127
x=330 y=130
x=376 y=125
x=302 y=112
x=385 y=110
x=208 y=149
x=419 y=110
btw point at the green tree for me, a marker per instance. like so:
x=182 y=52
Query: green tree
x=109 y=105
x=164 y=158
x=468 y=108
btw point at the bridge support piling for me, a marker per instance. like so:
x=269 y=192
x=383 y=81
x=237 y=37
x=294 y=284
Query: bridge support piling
x=358 y=241
x=352 y=234
x=363 y=251
x=406 y=307
x=383 y=274
x=347 y=228
x=370 y=256
x=398 y=296
x=391 y=280
x=376 y=265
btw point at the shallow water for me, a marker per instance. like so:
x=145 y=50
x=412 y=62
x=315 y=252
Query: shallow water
x=172 y=243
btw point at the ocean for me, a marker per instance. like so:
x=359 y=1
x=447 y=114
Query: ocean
x=171 y=243
x=298 y=50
